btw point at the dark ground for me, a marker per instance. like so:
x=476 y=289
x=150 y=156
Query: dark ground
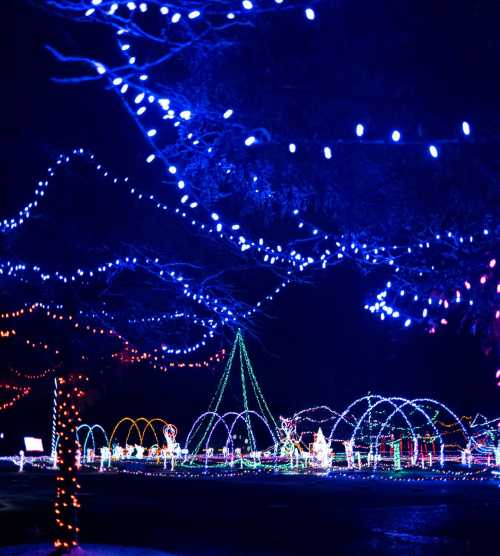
x=263 y=516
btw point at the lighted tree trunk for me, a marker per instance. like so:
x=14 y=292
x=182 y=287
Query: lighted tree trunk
x=66 y=505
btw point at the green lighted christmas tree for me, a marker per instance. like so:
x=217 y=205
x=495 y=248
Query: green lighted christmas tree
x=251 y=396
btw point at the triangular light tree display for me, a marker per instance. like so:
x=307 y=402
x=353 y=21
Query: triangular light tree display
x=253 y=400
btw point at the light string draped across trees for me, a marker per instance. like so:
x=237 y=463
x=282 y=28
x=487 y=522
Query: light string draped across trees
x=404 y=259
x=156 y=108
x=129 y=354
x=17 y=393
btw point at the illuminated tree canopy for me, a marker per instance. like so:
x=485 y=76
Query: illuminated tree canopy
x=265 y=162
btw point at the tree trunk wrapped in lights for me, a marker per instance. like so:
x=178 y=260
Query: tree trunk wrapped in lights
x=66 y=505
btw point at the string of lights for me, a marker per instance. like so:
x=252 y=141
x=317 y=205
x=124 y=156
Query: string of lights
x=34 y=376
x=403 y=300
x=129 y=354
x=397 y=257
x=18 y=391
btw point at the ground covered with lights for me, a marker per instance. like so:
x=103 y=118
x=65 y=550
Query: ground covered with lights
x=267 y=513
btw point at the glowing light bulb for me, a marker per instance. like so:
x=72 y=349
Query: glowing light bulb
x=250 y=141
x=466 y=128
x=433 y=151
x=292 y=147
x=360 y=130
x=396 y=136
x=310 y=14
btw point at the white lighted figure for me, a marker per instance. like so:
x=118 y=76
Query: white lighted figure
x=105 y=453
x=321 y=450
x=117 y=452
x=468 y=455
x=21 y=460
x=349 y=454
x=370 y=455
x=288 y=436
x=139 y=451
x=164 y=453
x=358 y=459
x=170 y=433
x=257 y=456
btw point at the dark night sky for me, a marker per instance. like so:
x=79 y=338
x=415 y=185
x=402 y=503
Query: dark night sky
x=319 y=345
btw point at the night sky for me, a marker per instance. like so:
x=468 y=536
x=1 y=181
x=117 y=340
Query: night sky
x=317 y=345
